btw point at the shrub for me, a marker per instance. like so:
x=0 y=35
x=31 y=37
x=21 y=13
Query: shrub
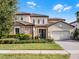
x=36 y=41
x=76 y=34
x=30 y=41
x=15 y=41
x=20 y=42
x=23 y=36
x=11 y=36
x=37 y=37
x=50 y=40
x=2 y=41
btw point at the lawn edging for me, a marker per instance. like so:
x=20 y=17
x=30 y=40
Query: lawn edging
x=34 y=56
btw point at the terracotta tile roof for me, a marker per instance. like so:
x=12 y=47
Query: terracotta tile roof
x=38 y=15
x=24 y=23
x=31 y=14
x=56 y=19
x=22 y=13
x=41 y=25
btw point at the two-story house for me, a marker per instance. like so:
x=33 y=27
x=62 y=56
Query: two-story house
x=31 y=23
x=42 y=26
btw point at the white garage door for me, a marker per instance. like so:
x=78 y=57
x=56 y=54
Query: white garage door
x=60 y=35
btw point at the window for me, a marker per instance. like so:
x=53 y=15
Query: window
x=33 y=21
x=17 y=30
x=38 y=21
x=60 y=25
x=43 y=21
x=21 y=18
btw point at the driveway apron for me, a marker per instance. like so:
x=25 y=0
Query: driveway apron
x=71 y=47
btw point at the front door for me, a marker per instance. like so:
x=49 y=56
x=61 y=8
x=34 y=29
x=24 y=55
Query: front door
x=42 y=33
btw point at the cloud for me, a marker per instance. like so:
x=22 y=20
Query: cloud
x=58 y=7
x=61 y=7
x=32 y=4
x=77 y=5
x=67 y=8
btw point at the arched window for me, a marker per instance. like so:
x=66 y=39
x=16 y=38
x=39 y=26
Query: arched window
x=38 y=21
x=33 y=21
x=21 y=18
x=43 y=21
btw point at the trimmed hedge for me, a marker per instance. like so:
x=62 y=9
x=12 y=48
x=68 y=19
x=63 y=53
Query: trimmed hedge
x=21 y=36
x=16 y=41
x=11 y=36
x=24 y=36
x=30 y=41
x=8 y=41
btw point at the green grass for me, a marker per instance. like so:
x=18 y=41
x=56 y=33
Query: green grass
x=31 y=46
x=33 y=56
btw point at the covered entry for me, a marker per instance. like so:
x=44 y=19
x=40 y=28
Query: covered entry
x=42 y=33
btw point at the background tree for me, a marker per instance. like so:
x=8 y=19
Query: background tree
x=76 y=33
x=77 y=14
x=7 y=13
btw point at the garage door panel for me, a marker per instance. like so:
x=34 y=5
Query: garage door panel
x=60 y=35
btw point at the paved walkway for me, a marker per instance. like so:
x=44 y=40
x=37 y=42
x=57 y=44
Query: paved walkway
x=72 y=47
x=33 y=51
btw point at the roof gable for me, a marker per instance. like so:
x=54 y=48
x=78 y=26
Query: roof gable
x=61 y=22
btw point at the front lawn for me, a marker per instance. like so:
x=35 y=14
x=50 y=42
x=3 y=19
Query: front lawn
x=31 y=46
x=33 y=56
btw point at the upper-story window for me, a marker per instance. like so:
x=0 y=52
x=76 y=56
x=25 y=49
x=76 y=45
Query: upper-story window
x=38 y=21
x=21 y=18
x=43 y=21
x=33 y=21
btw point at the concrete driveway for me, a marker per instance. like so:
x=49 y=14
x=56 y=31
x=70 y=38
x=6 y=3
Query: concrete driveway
x=71 y=47
x=69 y=44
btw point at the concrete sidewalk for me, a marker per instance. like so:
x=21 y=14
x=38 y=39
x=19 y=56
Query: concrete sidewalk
x=33 y=51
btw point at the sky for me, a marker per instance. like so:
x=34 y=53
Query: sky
x=65 y=9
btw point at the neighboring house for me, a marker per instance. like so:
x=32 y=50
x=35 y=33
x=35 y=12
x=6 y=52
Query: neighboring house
x=42 y=26
x=76 y=24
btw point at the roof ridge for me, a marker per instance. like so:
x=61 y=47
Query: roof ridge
x=57 y=18
x=31 y=14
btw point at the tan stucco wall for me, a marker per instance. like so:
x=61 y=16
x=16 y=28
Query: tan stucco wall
x=25 y=18
x=56 y=27
x=23 y=29
x=29 y=29
x=41 y=20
